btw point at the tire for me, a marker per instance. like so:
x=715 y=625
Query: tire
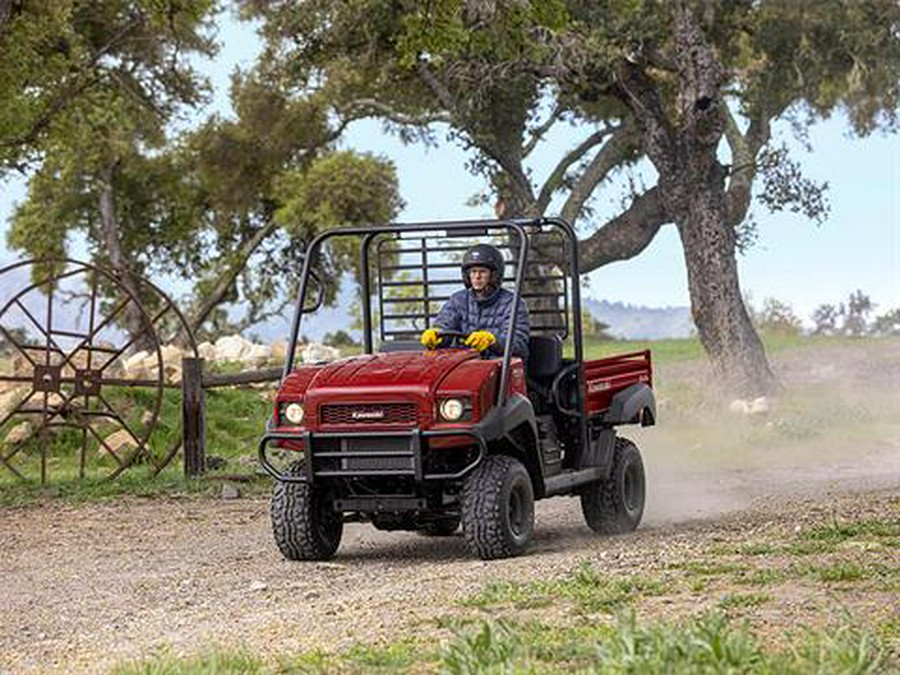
x=303 y=522
x=498 y=508
x=442 y=527
x=616 y=505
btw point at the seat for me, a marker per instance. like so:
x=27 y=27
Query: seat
x=545 y=358
x=544 y=362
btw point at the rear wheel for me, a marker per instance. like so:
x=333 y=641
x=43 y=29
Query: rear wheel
x=498 y=508
x=616 y=505
x=305 y=525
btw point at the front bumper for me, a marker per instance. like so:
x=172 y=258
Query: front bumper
x=370 y=454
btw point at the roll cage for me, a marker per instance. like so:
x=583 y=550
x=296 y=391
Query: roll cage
x=410 y=256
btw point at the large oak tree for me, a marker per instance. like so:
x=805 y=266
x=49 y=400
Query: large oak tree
x=679 y=84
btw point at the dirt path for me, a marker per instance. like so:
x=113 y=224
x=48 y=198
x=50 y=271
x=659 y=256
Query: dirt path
x=87 y=587
x=83 y=588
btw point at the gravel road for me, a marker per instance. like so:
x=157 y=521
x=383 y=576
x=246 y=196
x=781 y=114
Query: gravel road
x=86 y=587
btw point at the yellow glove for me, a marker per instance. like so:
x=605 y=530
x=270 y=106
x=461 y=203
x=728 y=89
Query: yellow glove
x=480 y=340
x=430 y=338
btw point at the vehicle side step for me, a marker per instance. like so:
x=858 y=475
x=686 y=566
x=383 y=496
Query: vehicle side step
x=565 y=481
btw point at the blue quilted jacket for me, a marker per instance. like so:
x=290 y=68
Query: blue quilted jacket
x=465 y=313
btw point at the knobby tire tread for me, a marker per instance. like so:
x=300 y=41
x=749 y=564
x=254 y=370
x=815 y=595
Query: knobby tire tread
x=603 y=510
x=294 y=521
x=483 y=505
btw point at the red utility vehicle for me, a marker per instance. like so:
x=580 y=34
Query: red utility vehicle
x=419 y=440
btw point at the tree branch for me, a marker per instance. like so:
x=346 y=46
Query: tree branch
x=376 y=107
x=626 y=235
x=555 y=180
x=447 y=100
x=642 y=97
x=228 y=276
x=6 y=12
x=541 y=130
x=611 y=155
x=744 y=151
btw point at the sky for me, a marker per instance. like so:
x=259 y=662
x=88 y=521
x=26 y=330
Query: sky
x=794 y=259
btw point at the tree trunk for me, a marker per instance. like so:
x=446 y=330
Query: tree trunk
x=136 y=322
x=717 y=306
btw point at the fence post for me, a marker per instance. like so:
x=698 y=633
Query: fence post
x=193 y=416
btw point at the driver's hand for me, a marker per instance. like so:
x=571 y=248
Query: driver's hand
x=480 y=340
x=430 y=338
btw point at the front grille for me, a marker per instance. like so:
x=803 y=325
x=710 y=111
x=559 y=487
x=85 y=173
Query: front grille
x=358 y=414
x=346 y=456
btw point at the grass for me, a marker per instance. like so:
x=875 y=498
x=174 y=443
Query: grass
x=709 y=642
x=235 y=420
x=589 y=590
x=686 y=349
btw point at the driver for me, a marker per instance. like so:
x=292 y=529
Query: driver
x=482 y=308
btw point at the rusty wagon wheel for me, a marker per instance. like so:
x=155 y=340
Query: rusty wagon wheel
x=68 y=380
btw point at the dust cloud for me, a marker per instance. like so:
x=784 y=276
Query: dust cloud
x=834 y=429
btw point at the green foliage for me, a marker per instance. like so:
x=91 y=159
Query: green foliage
x=341 y=188
x=339 y=338
x=851 y=318
x=235 y=418
x=838 y=532
x=211 y=662
x=592 y=327
x=73 y=70
x=707 y=643
x=590 y=590
x=778 y=317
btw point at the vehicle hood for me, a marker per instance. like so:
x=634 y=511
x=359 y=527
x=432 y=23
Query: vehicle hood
x=397 y=370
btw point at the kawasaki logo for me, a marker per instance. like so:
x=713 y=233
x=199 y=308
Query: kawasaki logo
x=367 y=414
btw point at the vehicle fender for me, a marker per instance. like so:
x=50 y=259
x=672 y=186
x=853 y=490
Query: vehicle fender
x=500 y=421
x=514 y=429
x=634 y=404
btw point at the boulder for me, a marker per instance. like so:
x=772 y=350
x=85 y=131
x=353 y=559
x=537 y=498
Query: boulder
x=135 y=360
x=10 y=398
x=119 y=442
x=759 y=406
x=18 y=434
x=171 y=354
x=739 y=407
x=230 y=348
x=278 y=350
x=256 y=355
x=314 y=353
x=206 y=350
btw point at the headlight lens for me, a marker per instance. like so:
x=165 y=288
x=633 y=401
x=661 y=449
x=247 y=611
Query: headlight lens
x=452 y=409
x=294 y=413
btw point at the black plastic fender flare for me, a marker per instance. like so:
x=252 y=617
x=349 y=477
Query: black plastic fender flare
x=634 y=404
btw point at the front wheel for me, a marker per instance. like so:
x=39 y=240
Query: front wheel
x=305 y=525
x=498 y=508
x=616 y=505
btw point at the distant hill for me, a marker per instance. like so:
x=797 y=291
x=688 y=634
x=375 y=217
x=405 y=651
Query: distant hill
x=642 y=323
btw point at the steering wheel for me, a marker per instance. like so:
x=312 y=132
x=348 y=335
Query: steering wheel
x=456 y=337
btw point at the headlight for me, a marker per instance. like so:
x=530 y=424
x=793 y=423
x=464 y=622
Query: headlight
x=294 y=413
x=452 y=409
